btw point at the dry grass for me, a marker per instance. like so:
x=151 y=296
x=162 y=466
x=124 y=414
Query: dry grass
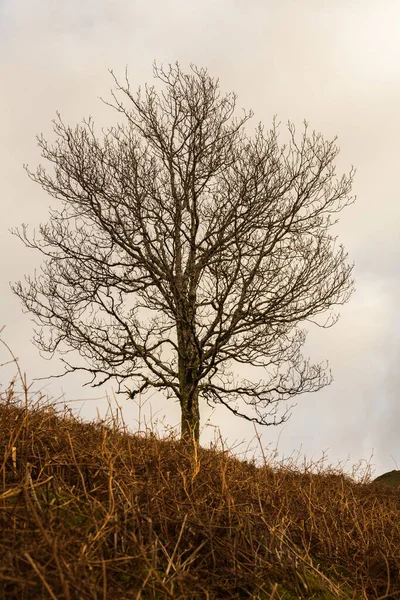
x=90 y=511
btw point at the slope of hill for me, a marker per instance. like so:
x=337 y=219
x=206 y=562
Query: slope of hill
x=389 y=479
x=90 y=511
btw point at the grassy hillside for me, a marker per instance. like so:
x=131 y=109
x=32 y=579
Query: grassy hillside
x=89 y=511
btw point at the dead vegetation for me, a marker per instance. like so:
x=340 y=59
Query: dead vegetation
x=91 y=511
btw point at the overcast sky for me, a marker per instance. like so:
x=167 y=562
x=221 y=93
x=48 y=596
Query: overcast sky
x=335 y=64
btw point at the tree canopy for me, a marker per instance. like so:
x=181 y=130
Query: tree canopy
x=187 y=243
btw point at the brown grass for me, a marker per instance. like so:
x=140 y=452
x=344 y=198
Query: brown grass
x=91 y=511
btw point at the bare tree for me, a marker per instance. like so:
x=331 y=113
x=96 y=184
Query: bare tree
x=187 y=244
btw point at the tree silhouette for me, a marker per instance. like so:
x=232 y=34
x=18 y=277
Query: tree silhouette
x=187 y=244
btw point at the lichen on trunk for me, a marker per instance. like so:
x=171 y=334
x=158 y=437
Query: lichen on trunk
x=188 y=365
x=190 y=422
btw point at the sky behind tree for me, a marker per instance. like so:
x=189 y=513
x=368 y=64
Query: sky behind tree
x=337 y=65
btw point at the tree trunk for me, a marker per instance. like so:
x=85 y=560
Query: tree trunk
x=189 y=390
x=190 y=419
x=188 y=368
